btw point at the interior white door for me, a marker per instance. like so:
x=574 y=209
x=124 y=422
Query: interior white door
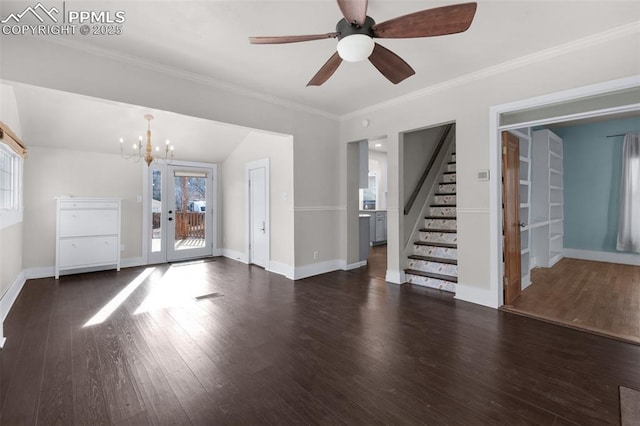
x=258 y=221
x=189 y=209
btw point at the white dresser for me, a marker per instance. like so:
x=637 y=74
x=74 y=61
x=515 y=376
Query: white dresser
x=87 y=233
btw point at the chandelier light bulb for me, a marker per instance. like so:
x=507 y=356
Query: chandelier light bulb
x=135 y=146
x=121 y=140
x=355 y=47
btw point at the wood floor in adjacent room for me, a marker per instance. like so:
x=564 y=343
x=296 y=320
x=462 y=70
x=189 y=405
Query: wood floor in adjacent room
x=596 y=296
x=220 y=342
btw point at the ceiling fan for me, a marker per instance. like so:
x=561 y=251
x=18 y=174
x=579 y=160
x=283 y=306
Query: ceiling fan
x=356 y=32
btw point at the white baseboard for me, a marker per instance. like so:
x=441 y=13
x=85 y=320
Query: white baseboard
x=8 y=299
x=317 y=268
x=395 y=276
x=132 y=262
x=479 y=296
x=603 y=256
x=281 y=269
x=235 y=255
x=351 y=266
x=40 y=272
x=49 y=271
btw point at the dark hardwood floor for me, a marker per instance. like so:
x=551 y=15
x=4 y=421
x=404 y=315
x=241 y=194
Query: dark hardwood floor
x=377 y=261
x=341 y=348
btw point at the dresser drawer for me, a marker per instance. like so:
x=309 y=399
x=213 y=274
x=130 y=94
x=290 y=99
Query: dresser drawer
x=78 y=252
x=83 y=205
x=75 y=223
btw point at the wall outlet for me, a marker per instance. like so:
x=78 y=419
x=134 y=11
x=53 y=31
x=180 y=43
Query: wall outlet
x=316 y=255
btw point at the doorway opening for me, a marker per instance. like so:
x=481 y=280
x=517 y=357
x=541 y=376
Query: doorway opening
x=566 y=204
x=368 y=164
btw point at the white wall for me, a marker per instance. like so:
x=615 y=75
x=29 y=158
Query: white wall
x=467 y=101
x=279 y=150
x=58 y=172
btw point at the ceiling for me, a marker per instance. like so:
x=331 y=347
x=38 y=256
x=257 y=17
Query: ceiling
x=210 y=39
x=54 y=119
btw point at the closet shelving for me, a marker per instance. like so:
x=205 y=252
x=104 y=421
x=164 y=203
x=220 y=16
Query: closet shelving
x=547 y=198
x=524 y=136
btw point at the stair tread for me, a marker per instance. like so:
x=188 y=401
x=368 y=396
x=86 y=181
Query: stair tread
x=442 y=205
x=444 y=193
x=442 y=277
x=426 y=243
x=446 y=183
x=433 y=259
x=441 y=217
x=449 y=173
x=447 y=231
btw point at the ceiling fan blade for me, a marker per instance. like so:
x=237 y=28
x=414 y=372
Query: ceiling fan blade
x=428 y=23
x=326 y=71
x=390 y=65
x=290 y=39
x=354 y=10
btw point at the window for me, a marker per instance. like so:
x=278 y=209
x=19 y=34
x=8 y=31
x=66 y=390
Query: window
x=9 y=168
x=12 y=153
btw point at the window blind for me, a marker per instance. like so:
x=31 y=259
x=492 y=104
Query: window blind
x=10 y=139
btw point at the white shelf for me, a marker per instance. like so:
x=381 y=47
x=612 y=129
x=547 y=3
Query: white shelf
x=555 y=154
x=547 y=198
x=524 y=136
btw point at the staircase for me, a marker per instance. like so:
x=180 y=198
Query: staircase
x=434 y=260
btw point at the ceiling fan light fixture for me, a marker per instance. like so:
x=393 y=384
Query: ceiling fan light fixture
x=355 y=47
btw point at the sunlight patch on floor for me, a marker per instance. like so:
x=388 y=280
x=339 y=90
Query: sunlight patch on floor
x=175 y=288
x=105 y=312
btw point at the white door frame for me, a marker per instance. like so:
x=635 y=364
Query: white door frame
x=495 y=298
x=257 y=164
x=146 y=207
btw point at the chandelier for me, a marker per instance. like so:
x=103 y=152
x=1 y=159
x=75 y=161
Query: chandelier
x=148 y=155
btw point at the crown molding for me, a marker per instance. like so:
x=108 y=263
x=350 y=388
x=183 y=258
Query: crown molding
x=582 y=43
x=190 y=76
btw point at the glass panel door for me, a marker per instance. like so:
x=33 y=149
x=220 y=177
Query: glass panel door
x=188 y=220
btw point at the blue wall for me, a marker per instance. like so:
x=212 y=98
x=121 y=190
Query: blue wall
x=592 y=172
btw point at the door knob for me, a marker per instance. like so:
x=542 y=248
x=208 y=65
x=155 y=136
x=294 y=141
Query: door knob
x=522 y=224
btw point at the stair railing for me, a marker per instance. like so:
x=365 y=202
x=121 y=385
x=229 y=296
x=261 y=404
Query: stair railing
x=427 y=169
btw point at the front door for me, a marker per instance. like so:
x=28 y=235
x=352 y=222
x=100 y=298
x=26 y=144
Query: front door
x=511 y=216
x=182 y=211
x=258 y=216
